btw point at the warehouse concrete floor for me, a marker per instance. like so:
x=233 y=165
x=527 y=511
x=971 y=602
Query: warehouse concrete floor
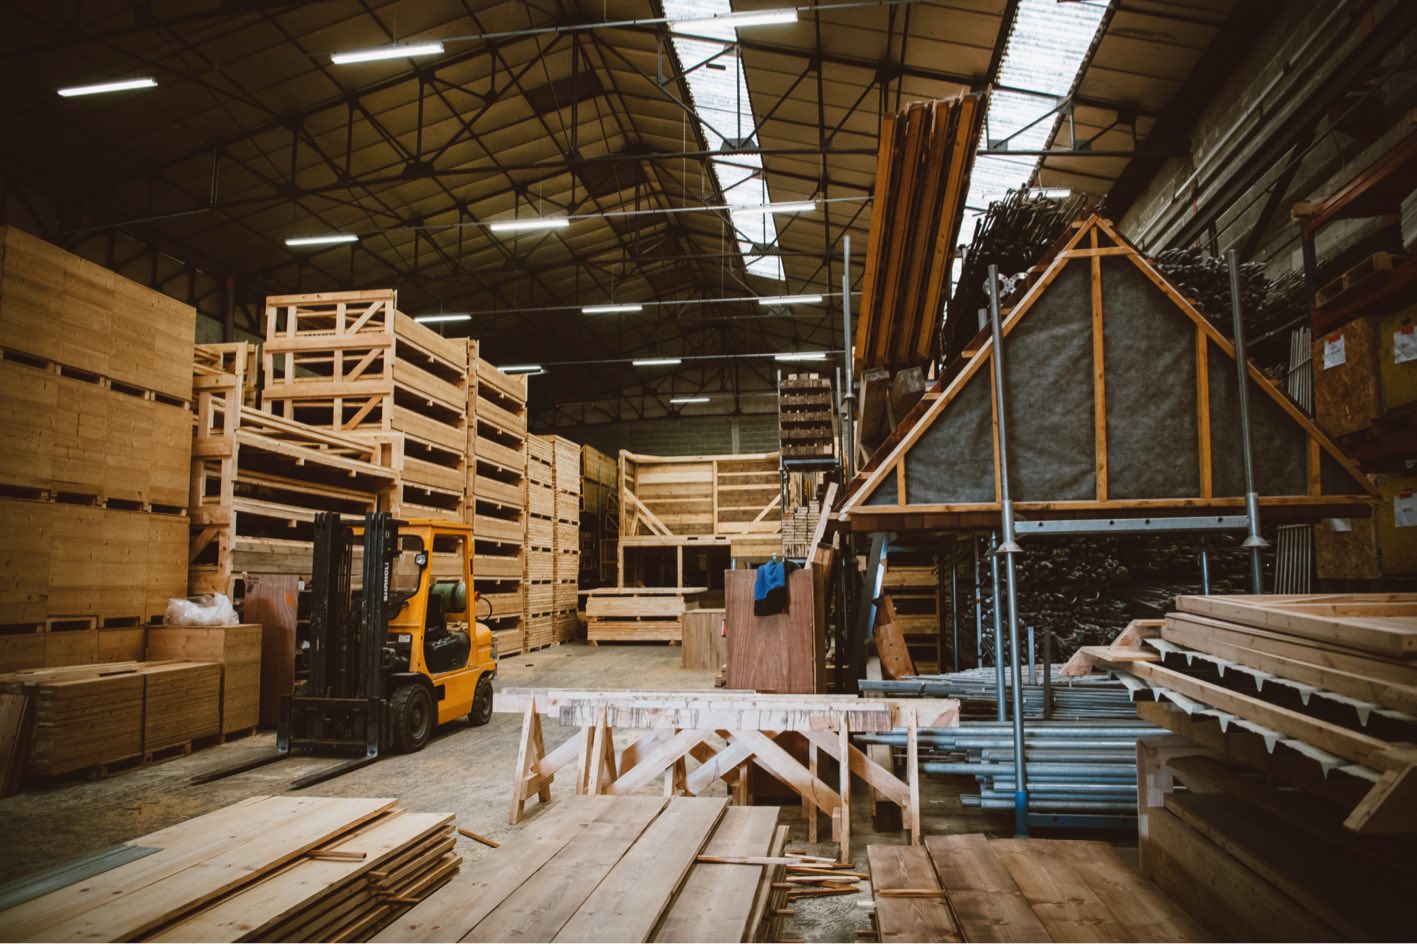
x=465 y=771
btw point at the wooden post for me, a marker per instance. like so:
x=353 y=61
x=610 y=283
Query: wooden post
x=845 y=791
x=912 y=774
x=602 y=744
x=583 y=761
x=528 y=753
x=809 y=809
x=740 y=786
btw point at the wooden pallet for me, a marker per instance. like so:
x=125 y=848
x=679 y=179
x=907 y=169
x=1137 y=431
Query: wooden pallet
x=1371 y=267
x=638 y=614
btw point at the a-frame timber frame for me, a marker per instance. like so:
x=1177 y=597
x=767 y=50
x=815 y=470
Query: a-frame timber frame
x=884 y=499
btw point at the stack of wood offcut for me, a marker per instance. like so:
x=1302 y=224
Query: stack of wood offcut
x=626 y=868
x=566 y=540
x=922 y=176
x=538 y=555
x=497 y=454
x=235 y=650
x=264 y=869
x=94 y=386
x=91 y=716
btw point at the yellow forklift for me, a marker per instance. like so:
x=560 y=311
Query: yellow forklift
x=390 y=656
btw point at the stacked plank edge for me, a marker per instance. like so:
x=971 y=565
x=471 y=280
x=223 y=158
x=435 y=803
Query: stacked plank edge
x=922 y=177
x=497 y=452
x=566 y=538
x=538 y=583
x=94 y=387
x=600 y=485
x=235 y=650
x=267 y=868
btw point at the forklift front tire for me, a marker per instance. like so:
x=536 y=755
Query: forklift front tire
x=481 y=712
x=411 y=709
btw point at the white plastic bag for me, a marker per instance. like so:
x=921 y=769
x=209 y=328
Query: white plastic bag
x=209 y=609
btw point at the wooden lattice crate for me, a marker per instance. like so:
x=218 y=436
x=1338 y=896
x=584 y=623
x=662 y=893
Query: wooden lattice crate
x=568 y=465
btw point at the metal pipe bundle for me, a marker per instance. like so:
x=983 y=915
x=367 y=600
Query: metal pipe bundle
x=978 y=692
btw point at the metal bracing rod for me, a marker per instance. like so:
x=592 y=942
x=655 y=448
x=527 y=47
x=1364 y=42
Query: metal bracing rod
x=998 y=627
x=954 y=600
x=849 y=395
x=978 y=606
x=1252 y=500
x=1009 y=549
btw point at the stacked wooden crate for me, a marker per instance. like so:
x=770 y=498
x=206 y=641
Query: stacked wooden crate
x=804 y=404
x=94 y=384
x=538 y=553
x=235 y=650
x=566 y=545
x=259 y=479
x=600 y=490
x=496 y=450
x=352 y=363
x=95 y=715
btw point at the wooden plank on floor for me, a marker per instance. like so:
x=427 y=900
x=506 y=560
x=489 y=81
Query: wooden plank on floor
x=546 y=901
x=716 y=900
x=986 y=902
x=908 y=919
x=1146 y=913
x=635 y=895
x=200 y=859
x=1062 y=901
x=474 y=894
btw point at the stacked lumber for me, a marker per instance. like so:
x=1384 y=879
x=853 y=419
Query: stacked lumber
x=1262 y=863
x=566 y=540
x=1319 y=691
x=94 y=388
x=974 y=888
x=805 y=416
x=608 y=868
x=87 y=717
x=600 y=520
x=259 y=479
x=639 y=614
x=922 y=176
x=538 y=554
x=71 y=647
x=351 y=362
x=235 y=650
x=267 y=868
x=497 y=453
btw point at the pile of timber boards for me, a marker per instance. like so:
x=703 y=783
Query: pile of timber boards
x=259 y=479
x=90 y=716
x=805 y=417
x=352 y=363
x=922 y=176
x=264 y=869
x=235 y=650
x=1325 y=685
x=94 y=386
x=972 y=888
x=639 y=614
x=497 y=445
x=602 y=868
x=566 y=538
x=538 y=554
x=1259 y=861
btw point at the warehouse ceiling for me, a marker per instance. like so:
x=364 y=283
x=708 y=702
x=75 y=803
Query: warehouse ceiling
x=661 y=141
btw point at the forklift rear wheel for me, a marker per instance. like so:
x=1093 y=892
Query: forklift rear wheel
x=412 y=710
x=481 y=712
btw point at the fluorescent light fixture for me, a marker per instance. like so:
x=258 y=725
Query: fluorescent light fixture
x=740 y=20
x=804 y=356
x=434 y=48
x=322 y=240
x=658 y=362
x=790 y=300
x=122 y=86
x=521 y=369
x=804 y=207
x=611 y=309
x=1053 y=193
x=521 y=226
x=688 y=399
x=434 y=319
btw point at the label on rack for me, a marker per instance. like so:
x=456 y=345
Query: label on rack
x=1404 y=345
x=1404 y=509
x=1334 y=354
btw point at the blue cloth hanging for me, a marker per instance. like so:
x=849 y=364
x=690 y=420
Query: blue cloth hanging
x=770 y=587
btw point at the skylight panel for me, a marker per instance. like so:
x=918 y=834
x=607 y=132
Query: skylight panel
x=721 y=101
